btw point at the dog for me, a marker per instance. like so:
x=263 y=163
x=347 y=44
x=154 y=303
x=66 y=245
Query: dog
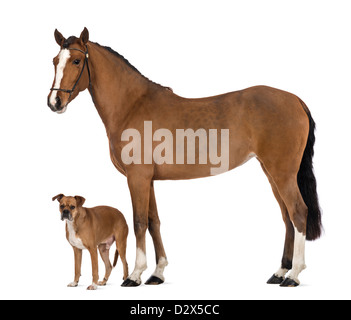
x=92 y=229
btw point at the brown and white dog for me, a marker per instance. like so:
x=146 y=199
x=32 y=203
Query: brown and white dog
x=92 y=228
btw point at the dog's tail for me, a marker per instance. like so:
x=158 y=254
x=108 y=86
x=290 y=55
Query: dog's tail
x=308 y=186
x=116 y=258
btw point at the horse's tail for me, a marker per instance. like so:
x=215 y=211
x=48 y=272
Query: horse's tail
x=308 y=185
x=116 y=258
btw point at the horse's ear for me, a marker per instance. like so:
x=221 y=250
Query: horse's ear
x=60 y=39
x=58 y=197
x=84 y=36
x=80 y=201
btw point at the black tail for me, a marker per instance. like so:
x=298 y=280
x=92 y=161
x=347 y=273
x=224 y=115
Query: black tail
x=308 y=185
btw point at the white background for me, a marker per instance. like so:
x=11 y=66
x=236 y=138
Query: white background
x=223 y=235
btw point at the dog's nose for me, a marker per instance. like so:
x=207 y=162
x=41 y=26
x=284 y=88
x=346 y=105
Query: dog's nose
x=66 y=211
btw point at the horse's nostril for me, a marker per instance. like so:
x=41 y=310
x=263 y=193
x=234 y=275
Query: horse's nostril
x=58 y=102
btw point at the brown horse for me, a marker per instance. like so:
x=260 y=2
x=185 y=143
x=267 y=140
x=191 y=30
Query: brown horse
x=142 y=118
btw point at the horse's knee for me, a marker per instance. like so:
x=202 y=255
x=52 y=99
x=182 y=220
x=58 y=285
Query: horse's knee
x=154 y=225
x=140 y=227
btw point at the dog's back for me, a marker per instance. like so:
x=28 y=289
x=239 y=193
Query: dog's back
x=111 y=221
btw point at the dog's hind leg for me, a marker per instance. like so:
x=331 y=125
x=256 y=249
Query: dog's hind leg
x=121 y=249
x=104 y=253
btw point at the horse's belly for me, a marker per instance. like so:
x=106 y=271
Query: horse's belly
x=194 y=171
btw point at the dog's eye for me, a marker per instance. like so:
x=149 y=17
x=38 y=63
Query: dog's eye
x=72 y=207
x=76 y=62
x=62 y=206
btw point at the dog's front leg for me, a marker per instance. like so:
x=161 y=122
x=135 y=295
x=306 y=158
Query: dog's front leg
x=77 y=266
x=95 y=268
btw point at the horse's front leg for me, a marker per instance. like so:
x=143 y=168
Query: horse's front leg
x=139 y=187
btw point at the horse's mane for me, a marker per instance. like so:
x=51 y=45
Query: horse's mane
x=109 y=49
x=73 y=39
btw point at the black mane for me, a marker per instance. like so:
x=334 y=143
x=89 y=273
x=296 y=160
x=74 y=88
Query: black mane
x=129 y=64
x=121 y=57
x=73 y=39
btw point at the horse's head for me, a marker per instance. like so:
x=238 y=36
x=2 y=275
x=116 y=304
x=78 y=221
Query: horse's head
x=72 y=73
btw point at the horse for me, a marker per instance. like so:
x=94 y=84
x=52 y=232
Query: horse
x=141 y=117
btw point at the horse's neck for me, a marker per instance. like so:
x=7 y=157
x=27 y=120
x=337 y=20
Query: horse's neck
x=115 y=86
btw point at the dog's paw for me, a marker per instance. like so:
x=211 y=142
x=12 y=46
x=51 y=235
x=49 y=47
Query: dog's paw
x=102 y=283
x=72 y=284
x=93 y=286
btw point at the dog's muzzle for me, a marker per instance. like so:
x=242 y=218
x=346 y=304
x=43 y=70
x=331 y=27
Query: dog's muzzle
x=66 y=215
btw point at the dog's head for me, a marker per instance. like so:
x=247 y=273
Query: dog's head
x=69 y=206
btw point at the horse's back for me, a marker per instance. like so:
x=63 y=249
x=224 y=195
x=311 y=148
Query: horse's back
x=261 y=103
x=259 y=118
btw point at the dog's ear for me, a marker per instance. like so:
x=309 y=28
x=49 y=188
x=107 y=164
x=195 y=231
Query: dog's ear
x=58 y=197
x=80 y=201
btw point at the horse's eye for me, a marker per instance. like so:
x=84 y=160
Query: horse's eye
x=76 y=62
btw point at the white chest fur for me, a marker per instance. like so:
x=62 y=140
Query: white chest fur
x=72 y=237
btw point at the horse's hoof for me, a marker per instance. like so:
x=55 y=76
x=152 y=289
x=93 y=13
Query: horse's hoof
x=289 y=283
x=130 y=283
x=154 y=281
x=275 y=280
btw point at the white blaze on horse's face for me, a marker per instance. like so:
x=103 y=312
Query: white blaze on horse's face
x=63 y=57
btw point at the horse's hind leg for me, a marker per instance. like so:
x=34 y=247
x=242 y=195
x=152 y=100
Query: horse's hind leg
x=154 y=229
x=286 y=183
x=298 y=214
x=279 y=276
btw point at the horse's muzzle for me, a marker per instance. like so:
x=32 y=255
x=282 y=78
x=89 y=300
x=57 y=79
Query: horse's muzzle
x=58 y=105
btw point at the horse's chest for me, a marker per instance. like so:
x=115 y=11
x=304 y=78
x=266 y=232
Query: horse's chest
x=73 y=239
x=116 y=159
